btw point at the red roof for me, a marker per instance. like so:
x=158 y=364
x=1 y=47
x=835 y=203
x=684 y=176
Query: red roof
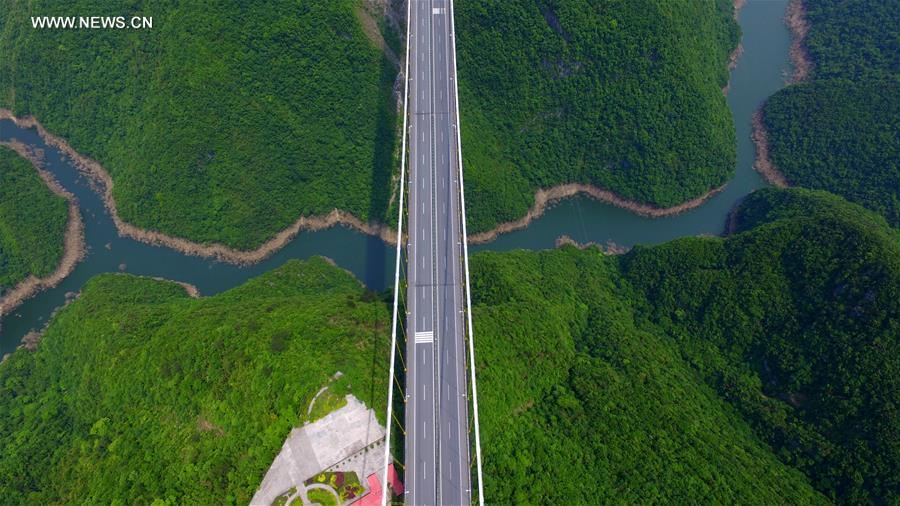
x=395 y=481
x=373 y=498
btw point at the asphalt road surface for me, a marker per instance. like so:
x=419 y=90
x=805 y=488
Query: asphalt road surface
x=437 y=444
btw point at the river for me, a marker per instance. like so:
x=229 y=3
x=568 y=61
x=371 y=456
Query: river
x=759 y=73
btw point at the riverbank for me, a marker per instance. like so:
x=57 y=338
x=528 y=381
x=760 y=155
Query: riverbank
x=763 y=164
x=738 y=50
x=544 y=198
x=610 y=248
x=104 y=182
x=795 y=19
x=732 y=64
x=73 y=248
x=760 y=73
x=192 y=291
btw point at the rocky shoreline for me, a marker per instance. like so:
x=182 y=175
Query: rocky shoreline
x=220 y=252
x=763 y=164
x=74 y=247
x=610 y=248
x=544 y=198
x=738 y=51
x=795 y=19
x=192 y=291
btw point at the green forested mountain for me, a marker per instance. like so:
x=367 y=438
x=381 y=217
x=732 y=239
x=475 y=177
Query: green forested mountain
x=757 y=369
x=32 y=222
x=795 y=320
x=137 y=392
x=227 y=122
x=840 y=132
x=705 y=370
x=224 y=122
x=854 y=39
x=581 y=403
x=843 y=136
x=623 y=95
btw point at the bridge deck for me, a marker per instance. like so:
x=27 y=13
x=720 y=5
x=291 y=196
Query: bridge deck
x=437 y=445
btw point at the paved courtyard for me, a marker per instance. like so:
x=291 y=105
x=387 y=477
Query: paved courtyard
x=335 y=442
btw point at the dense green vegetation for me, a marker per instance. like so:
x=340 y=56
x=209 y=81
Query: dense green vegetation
x=841 y=136
x=700 y=371
x=580 y=405
x=224 y=122
x=138 y=392
x=623 y=95
x=227 y=122
x=796 y=321
x=32 y=222
x=840 y=132
x=761 y=368
x=854 y=39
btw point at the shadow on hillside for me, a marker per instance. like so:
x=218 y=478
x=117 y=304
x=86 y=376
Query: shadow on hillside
x=383 y=164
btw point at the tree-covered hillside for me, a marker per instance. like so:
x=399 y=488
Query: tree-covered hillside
x=138 y=392
x=853 y=39
x=796 y=321
x=705 y=370
x=840 y=132
x=580 y=404
x=226 y=121
x=624 y=95
x=757 y=369
x=32 y=222
x=843 y=136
